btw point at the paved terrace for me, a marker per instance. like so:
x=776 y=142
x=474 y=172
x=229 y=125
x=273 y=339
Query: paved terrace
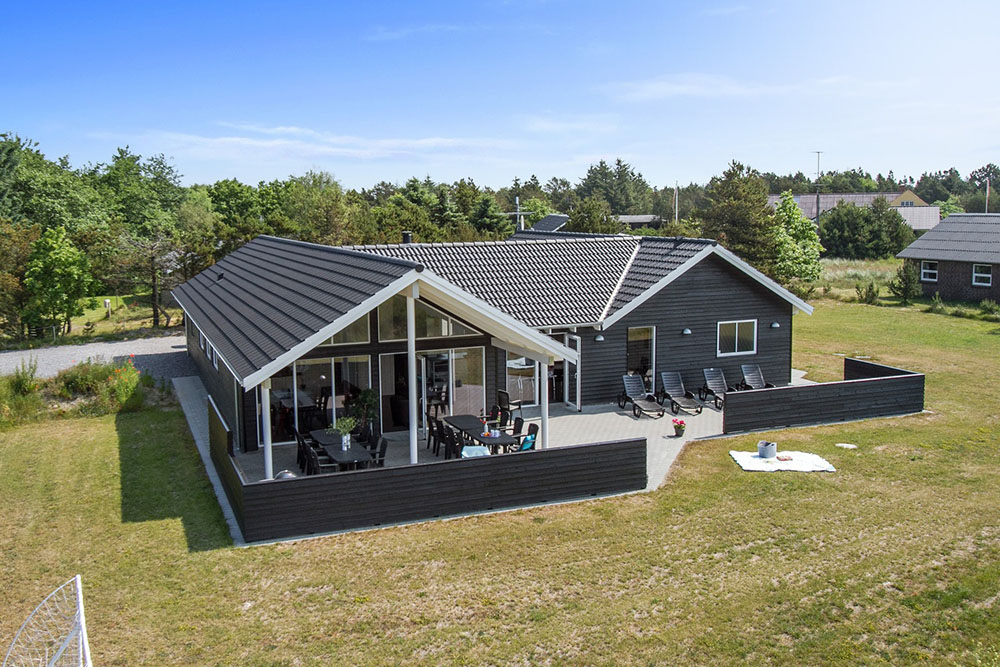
x=596 y=423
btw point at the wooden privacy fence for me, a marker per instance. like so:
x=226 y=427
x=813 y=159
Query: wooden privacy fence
x=365 y=498
x=867 y=390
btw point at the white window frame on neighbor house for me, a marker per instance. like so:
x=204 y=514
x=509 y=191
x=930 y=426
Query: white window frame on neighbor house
x=928 y=274
x=981 y=278
x=736 y=339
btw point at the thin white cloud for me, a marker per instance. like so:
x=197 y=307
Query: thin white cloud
x=386 y=34
x=261 y=143
x=553 y=124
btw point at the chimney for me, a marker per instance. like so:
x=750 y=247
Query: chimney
x=407 y=237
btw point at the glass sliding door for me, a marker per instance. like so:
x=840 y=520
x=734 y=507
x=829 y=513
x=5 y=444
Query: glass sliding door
x=282 y=406
x=312 y=384
x=453 y=382
x=640 y=358
x=353 y=375
x=469 y=374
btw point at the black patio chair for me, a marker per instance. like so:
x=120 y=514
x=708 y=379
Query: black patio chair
x=673 y=390
x=493 y=418
x=715 y=386
x=318 y=464
x=432 y=431
x=503 y=400
x=378 y=460
x=452 y=443
x=753 y=378
x=643 y=402
x=517 y=428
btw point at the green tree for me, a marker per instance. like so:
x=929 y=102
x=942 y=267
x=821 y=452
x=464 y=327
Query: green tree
x=561 y=194
x=906 y=284
x=798 y=243
x=489 y=220
x=625 y=190
x=195 y=232
x=445 y=213
x=16 y=240
x=949 y=206
x=593 y=215
x=537 y=209
x=844 y=230
x=57 y=279
x=888 y=232
x=739 y=217
x=240 y=216
x=466 y=194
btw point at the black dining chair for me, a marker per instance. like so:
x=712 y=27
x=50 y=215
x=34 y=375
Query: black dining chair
x=378 y=460
x=319 y=464
x=452 y=443
x=521 y=444
x=503 y=400
x=432 y=433
x=518 y=427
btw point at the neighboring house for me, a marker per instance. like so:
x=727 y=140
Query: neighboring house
x=303 y=328
x=915 y=211
x=551 y=223
x=638 y=221
x=959 y=258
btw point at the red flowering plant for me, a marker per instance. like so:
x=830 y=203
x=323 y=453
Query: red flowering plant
x=679 y=426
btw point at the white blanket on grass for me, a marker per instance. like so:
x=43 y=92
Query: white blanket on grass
x=801 y=462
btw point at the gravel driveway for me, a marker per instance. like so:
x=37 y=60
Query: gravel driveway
x=164 y=356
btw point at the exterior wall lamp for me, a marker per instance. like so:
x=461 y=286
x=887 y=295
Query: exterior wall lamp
x=686 y=332
x=599 y=338
x=775 y=325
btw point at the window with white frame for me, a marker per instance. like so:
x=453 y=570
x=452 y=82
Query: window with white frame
x=737 y=337
x=929 y=272
x=982 y=275
x=213 y=356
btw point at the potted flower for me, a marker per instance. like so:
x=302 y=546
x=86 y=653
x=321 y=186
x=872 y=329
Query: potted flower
x=679 y=427
x=343 y=427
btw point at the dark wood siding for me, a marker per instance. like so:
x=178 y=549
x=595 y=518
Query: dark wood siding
x=711 y=292
x=220 y=384
x=954 y=283
x=324 y=503
x=219 y=442
x=868 y=390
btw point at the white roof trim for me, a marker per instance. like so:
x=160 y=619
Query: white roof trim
x=621 y=279
x=660 y=284
x=764 y=280
x=729 y=257
x=485 y=317
x=329 y=330
x=201 y=330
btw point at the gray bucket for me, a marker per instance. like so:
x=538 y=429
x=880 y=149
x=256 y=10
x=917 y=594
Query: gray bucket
x=767 y=450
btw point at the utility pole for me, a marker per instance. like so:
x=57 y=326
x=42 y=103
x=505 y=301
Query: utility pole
x=676 y=203
x=818 y=153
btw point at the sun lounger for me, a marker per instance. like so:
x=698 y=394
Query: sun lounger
x=673 y=391
x=643 y=402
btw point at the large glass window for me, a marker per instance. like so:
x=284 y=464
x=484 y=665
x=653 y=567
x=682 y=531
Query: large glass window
x=282 y=406
x=737 y=338
x=355 y=332
x=326 y=387
x=430 y=322
x=639 y=354
x=982 y=275
x=469 y=387
x=929 y=272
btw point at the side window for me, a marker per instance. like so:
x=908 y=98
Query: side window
x=929 y=272
x=737 y=337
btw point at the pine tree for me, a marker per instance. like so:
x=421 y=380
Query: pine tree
x=739 y=217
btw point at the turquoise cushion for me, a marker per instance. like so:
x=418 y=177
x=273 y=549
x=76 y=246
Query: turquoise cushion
x=528 y=442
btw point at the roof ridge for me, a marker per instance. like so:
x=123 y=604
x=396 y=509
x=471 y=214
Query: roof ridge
x=472 y=244
x=621 y=281
x=347 y=250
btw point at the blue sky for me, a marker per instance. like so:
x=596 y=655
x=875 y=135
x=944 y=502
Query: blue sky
x=492 y=90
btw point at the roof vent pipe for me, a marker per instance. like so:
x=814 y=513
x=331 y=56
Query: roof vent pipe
x=407 y=237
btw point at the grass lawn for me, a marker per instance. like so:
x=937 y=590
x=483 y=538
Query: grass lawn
x=895 y=558
x=131 y=315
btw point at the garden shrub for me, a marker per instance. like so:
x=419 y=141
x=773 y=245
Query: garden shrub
x=989 y=307
x=113 y=387
x=23 y=382
x=867 y=293
x=937 y=305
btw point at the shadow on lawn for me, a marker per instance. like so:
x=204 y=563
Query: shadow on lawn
x=162 y=477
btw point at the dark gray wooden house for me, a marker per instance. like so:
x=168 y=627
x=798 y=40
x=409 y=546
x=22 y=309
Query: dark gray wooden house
x=958 y=257
x=282 y=328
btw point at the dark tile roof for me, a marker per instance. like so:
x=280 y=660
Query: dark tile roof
x=270 y=295
x=961 y=237
x=639 y=220
x=549 y=279
x=551 y=222
x=657 y=257
x=541 y=282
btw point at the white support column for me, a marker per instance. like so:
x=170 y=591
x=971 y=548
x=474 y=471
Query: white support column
x=543 y=389
x=411 y=364
x=265 y=416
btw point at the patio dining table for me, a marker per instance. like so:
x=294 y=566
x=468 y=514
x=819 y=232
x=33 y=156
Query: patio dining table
x=356 y=455
x=472 y=426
